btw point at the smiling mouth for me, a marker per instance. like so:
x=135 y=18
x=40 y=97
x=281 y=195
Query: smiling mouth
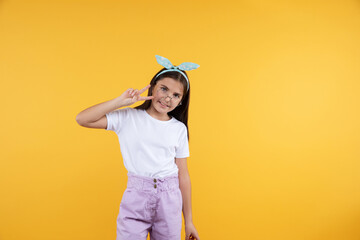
x=163 y=104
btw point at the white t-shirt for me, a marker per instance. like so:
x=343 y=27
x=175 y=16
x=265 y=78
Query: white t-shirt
x=148 y=145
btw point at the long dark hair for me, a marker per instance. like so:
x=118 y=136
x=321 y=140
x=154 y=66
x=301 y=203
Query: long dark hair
x=181 y=111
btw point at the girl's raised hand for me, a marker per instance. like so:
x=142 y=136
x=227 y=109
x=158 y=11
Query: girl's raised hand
x=131 y=96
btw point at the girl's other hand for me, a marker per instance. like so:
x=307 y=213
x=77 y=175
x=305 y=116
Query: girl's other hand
x=131 y=96
x=190 y=232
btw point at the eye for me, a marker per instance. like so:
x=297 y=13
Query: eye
x=177 y=95
x=163 y=89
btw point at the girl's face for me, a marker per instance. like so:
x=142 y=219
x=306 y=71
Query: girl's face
x=167 y=95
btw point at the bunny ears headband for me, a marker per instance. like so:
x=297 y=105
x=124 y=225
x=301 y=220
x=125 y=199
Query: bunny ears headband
x=170 y=68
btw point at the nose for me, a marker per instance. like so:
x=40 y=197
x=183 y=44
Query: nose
x=167 y=98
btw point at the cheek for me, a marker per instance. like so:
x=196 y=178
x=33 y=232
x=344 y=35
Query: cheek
x=156 y=95
x=156 y=98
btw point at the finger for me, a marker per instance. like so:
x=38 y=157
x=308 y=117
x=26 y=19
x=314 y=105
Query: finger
x=144 y=89
x=134 y=92
x=146 y=98
x=134 y=99
x=196 y=236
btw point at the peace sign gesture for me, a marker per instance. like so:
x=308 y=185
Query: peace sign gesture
x=131 y=96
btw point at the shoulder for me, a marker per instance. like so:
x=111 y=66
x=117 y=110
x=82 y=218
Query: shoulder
x=128 y=110
x=180 y=125
x=122 y=112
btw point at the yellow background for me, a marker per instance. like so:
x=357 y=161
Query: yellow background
x=274 y=114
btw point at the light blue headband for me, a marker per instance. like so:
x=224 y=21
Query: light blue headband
x=170 y=68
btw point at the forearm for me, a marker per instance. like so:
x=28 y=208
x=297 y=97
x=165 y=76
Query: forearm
x=97 y=111
x=185 y=187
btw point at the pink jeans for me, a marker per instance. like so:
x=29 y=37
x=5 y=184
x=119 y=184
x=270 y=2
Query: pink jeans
x=150 y=206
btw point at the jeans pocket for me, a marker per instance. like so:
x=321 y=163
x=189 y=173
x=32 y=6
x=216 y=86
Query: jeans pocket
x=125 y=196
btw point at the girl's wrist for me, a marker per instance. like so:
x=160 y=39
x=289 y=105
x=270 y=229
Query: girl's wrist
x=189 y=222
x=119 y=102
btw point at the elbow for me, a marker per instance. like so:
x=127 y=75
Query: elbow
x=78 y=120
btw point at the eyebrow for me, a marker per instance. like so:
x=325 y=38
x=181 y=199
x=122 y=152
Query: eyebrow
x=168 y=88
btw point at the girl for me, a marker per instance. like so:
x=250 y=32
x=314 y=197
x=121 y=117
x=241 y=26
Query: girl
x=153 y=140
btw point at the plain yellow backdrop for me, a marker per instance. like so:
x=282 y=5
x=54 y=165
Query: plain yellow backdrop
x=274 y=114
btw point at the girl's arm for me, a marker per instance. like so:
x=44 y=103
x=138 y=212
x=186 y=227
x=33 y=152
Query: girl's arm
x=185 y=187
x=94 y=116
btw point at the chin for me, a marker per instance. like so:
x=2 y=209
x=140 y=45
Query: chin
x=161 y=110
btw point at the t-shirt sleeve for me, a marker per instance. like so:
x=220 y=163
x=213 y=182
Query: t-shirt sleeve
x=182 y=150
x=116 y=118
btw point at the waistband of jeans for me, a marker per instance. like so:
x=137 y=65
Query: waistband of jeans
x=147 y=183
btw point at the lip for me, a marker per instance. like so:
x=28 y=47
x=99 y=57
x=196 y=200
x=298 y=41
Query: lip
x=163 y=105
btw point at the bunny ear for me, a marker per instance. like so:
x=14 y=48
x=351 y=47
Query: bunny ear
x=188 y=66
x=164 y=62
